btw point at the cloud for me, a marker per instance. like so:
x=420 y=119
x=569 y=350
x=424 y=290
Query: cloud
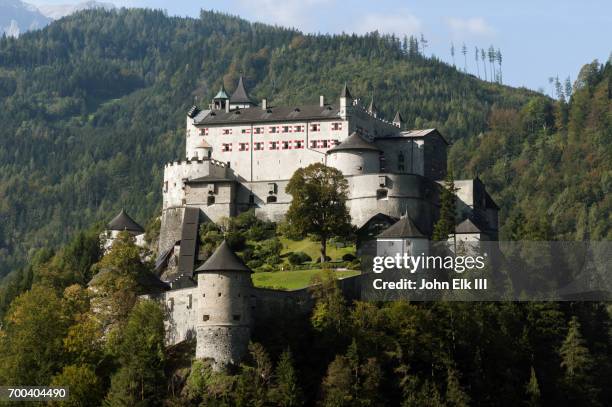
x=475 y=26
x=287 y=13
x=401 y=23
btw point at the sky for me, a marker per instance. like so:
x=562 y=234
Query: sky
x=538 y=39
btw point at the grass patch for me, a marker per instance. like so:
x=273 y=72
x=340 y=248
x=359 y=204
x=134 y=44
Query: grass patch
x=292 y=280
x=313 y=249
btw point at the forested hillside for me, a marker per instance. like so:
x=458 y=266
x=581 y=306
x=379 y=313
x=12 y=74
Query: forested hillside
x=94 y=104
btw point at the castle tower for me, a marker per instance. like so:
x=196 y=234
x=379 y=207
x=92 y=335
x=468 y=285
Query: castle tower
x=402 y=237
x=398 y=120
x=122 y=223
x=223 y=328
x=355 y=156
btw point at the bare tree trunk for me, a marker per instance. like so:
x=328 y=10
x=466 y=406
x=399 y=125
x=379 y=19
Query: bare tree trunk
x=323 y=249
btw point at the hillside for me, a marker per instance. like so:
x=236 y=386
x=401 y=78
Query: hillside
x=94 y=104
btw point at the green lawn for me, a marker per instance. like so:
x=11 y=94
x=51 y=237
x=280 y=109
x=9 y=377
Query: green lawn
x=313 y=249
x=292 y=280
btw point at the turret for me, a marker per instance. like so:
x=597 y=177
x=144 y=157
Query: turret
x=224 y=318
x=240 y=99
x=398 y=120
x=402 y=237
x=122 y=223
x=220 y=100
x=355 y=156
x=372 y=109
x=346 y=102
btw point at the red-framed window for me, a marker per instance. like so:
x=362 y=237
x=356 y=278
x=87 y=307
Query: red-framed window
x=297 y=144
x=226 y=132
x=243 y=146
x=258 y=146
x=204 y=132
x=298 y=128
x=246 y=131
x=258 y=130
x=273 y=129
x=315 y=126
x=286 y=129
x=314 y=144
x=226 y=147
x=286 y=145
x=336 y=126
x=273 y=145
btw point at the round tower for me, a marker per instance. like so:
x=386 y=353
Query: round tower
x=355 y=156
x=223 y=328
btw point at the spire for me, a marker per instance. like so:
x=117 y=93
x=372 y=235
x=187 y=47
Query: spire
x=345 y=92
x=222 y=94
x=372 y=109
x=240 y=95
x=398 y=120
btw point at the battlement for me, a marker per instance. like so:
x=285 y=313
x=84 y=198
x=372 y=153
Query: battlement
x=212 y=161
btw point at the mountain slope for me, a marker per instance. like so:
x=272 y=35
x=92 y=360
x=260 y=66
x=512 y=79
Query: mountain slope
x=94 y=104
x=17 y=17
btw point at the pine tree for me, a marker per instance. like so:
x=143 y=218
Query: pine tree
x=477 y=61
x=575 y=356
x=286 y=392
x=464 y=52
x=445 y=225
x=498 y=58
x=484 y=64
x=424 y=44
x=452 y=49
x=533 y=390
x=491 y=55
x=455 y=395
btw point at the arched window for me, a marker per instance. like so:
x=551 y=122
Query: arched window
x=210 y=200
x=271 y=199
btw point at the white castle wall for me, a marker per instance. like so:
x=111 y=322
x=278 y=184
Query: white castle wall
x=355 y=162
x=176 y=173
x=412 y=151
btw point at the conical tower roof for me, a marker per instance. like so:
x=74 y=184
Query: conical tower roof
x=223 y=259
x=398 y=118
x=372 y=109
x=403 y=228
x=123 y=222
x=222 y=94
x=240 y=95
x=345 y=92
x=354 y=142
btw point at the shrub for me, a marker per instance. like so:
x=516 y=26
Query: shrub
x=297 y=258
x=318 y=260
x=253 y=264
x=348 y=257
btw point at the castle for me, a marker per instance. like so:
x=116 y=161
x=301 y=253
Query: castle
x=240 y=156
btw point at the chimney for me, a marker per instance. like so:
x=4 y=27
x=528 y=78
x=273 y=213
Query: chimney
x=227 y=106
x=321 y=100
x=264 y=104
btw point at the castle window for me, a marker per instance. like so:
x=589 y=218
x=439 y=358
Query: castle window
x=298 y=128
x=285 y=129
x=336 y=126
x=205 y=318
x=189 y=303
x=382 y=180
x=236 y=317
x=171 y=304
x=251 y=199
x=204 y=132
x=258 y=146
x=243 y=147
x=210 y=200
x=286 y=145
x=271 y=199
x=218 y=294
x=227 y=131
x=271 y=188
x=324 y=143
x=166 y=186
x=298 y=144
x=315 y=127
x=313 y=143
x=258 y=130
x=273 y=145
x=381 y=194
x=272 y=129
x=226 y=147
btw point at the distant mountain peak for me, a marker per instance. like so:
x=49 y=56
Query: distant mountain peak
x=56 y=11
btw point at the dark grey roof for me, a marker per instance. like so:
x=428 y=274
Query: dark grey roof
x=467 y=226
x=345 y=92
x=208 y=179
x=420 y=134
x=240 y=95
x=272 y=114
x=353 y=142
x=189 y=241
x=398 y=118
x=490 y=203
x=403 y=228
x=123 y=222
x=223 y=259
